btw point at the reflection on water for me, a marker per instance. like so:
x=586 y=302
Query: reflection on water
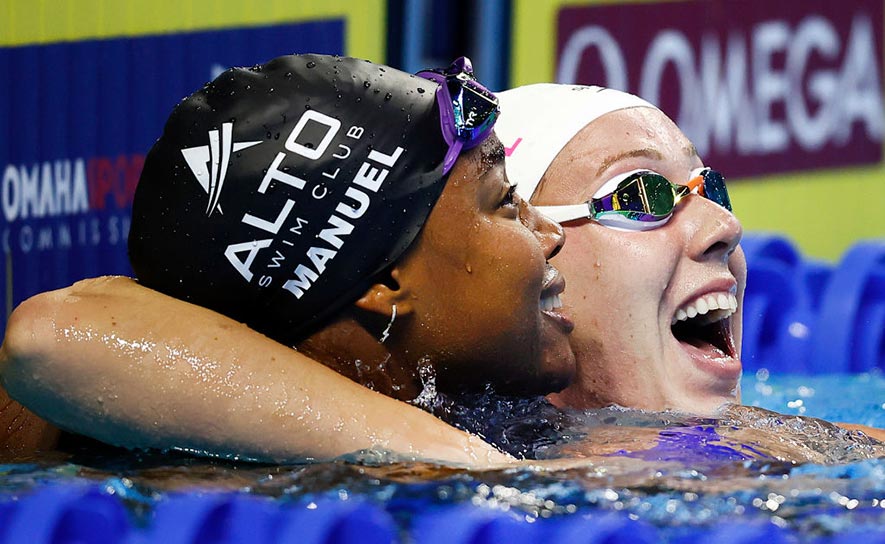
x=672 y=471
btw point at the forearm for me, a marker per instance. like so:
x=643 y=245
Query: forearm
x=128 y=366
x=872 y=432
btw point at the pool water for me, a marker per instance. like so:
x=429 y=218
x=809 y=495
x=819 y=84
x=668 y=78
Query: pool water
x=855 y=398
x=637 y=478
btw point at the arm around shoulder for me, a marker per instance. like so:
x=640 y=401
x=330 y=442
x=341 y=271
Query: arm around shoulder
x=129 y=366
x=872 y=432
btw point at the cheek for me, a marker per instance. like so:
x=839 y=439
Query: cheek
x=602 y=264
x=737 y=264
x=488 y=269
x=615 y=279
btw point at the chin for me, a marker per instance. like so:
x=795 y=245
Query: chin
x=707 y=402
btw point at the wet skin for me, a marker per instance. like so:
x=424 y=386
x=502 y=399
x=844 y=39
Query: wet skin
x=626 y=287
x=475 y=279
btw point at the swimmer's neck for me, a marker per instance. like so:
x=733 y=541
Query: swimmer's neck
x=347 y=347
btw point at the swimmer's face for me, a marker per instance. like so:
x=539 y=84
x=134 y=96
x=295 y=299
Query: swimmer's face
x=626 y=287
x=477 y=276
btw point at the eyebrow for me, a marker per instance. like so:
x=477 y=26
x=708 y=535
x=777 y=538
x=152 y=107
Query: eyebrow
x=492 y=155
x=645 y=152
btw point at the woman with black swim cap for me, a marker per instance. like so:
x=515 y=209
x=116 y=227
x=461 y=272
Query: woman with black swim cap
x=355 y=211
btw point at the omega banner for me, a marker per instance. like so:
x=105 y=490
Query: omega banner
x=759 y=86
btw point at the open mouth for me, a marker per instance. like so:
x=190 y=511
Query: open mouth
x=554 y=285
x=549 y=303
x=704 y=323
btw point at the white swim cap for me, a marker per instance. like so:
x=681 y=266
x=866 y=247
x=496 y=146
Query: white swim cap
x=537 y=121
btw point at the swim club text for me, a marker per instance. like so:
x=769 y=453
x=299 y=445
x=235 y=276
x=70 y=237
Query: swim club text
x=367 y=181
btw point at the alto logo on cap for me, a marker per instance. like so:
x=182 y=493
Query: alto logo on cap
x=209 y=163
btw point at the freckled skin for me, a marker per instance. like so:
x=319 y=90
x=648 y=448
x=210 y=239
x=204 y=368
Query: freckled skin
x=625 y=286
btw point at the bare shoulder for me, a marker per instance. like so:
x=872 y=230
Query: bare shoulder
x=40 y=314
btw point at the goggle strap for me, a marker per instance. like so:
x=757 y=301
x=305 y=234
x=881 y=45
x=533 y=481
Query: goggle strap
x=697 y=183
x=562 y=214
x=452 y=155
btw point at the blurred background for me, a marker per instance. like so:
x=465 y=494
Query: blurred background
x=783 y=96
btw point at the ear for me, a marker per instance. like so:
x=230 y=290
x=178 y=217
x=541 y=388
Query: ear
x=380 y=297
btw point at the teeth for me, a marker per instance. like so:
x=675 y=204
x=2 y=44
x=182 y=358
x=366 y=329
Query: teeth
x=550 y=303
x=725 y=303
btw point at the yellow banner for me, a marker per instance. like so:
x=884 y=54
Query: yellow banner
x=28 y=22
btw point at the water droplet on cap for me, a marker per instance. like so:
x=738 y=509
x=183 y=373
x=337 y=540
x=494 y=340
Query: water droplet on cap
x=388 y=96
x=366 y=84
x=420 y=90
x=311 y=64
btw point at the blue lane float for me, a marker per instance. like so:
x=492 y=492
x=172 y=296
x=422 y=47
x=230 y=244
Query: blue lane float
x=219 y=518
x=853 y=313
x=466 y=524
x=70 y=514
x=79 y=514
x=807 y=316
x=327 y=521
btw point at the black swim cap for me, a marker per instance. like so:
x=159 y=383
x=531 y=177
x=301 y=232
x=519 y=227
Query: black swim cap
x=277 y=193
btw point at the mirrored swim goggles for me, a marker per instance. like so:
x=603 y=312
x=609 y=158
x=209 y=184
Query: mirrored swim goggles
x=641 y=200
x=468 y=110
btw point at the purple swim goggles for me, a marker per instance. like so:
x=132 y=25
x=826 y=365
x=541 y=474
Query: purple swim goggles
x=468 y=110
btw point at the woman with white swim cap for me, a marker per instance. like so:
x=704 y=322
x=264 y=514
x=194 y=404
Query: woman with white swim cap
x=656 y=275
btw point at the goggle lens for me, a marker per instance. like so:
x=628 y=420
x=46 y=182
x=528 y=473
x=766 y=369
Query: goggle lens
x=643 y=200
x=714 y=189
x=475 y=108
x=643 y=193
x=468 y=110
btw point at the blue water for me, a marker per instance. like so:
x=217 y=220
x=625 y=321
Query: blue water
x=856 y=398
x=691 y=480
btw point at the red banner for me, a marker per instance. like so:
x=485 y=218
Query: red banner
x=758 y=86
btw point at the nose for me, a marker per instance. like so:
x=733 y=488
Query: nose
x=714 y=232
x=547 y=231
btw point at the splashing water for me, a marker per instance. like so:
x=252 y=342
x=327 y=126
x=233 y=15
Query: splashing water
x=677 y=473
